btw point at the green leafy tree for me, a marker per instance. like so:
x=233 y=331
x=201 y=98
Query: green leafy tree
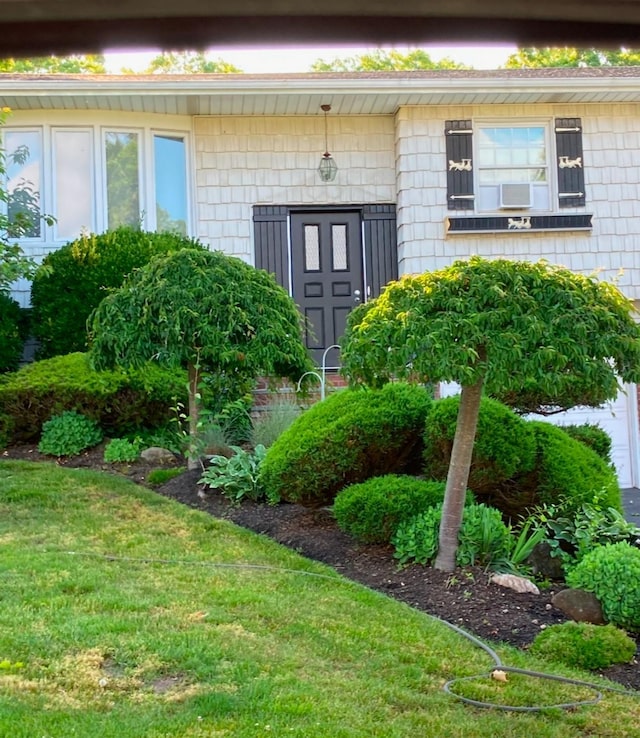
x=492 y=326
x=566 y=56
x=385 y=61
x=203 y=311
x=74 y=64
x=188 y=62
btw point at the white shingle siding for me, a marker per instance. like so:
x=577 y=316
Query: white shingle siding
x=244 y=161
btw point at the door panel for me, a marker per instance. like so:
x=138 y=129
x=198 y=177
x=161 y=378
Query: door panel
x=326 y=260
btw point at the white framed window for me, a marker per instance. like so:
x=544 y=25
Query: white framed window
x=513 y=166
x=73 y=182
x=122 y=151
x=170 y=189
x=24 y=164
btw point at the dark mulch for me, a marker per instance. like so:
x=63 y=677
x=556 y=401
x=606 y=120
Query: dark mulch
x=465 y=598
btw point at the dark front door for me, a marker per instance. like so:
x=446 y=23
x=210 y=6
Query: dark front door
x=327 y=276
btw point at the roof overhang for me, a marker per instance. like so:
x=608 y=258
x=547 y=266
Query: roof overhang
x=40 y=27
x=302 y=94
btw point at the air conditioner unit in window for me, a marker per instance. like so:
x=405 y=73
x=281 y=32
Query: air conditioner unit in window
x=515 y=195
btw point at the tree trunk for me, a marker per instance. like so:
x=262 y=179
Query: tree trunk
x=193 y=460
x=458 y=475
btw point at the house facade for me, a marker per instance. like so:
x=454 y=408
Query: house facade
x=432 y=166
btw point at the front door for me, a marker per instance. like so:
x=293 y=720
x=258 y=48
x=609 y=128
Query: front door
x=326 y=260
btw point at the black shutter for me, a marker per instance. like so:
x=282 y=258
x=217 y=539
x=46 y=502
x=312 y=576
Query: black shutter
x=459 y=144
x=270 y=239
x=570 y=162
x=380 y=243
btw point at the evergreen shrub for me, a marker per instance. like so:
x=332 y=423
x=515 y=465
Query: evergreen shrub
x=12 y=333
x=612 y=573
x=119 y=401
x=504 y=445
x=75 y=278
x=68 y=434
x=347 y=438
x=593 y=436
x=372 y=510
x=584 y=645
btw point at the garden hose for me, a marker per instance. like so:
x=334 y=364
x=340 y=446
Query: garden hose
x=498 y=665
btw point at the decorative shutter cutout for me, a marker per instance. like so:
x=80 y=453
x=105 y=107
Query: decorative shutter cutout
x=459 y=146
x=570 y=162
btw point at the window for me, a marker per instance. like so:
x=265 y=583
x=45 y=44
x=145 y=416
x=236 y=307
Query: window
x=170 y=168
x=93 y=179
x=24 y=181
x=508 y=156
x=516 y=166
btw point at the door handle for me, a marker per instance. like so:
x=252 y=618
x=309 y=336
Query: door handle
x=356 y=295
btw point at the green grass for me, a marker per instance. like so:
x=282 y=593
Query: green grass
x=125 y=615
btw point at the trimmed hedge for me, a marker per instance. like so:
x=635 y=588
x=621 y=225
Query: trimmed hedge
x=75 y=278
x=118 y=401
x=593 y=436
x=371 y=511
x=347 y=438
x=505 y=443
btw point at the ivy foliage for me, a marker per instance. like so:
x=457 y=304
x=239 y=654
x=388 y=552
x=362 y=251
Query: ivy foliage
x=74 y=280
x=539 y=336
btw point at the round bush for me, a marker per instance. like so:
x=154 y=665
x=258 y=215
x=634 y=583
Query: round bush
x=568 y=470
x=612 y=573
x=347 y=438
x=68 y=434
x=372 y=510
x=584 y=645
x=76 y=277
x=593 y=436
x=12 y=333
x=504 y=446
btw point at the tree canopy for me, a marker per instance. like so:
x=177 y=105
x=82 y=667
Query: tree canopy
x=188 y=62
x=533 y=57
x=495 y=326
x=204 y=311
x=74 y=64
x=382 y=60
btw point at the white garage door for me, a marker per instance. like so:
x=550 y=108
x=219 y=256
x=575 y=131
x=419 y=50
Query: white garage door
x=618 y=418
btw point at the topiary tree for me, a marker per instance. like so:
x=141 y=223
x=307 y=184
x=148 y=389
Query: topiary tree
x=75 y=278
x=493 y=326
x=203 y=311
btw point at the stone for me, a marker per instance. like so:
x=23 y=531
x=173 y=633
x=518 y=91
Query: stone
x=578 y=605
x=544 y=564
x=512 y=581
x=158 y=455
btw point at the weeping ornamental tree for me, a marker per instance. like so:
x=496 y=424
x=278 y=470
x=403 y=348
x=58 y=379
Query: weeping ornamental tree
x=203 y=311
x=499 y=327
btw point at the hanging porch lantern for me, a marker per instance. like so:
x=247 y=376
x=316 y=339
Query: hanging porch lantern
x=327 y=169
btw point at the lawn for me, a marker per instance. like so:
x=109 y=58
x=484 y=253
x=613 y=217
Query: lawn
x=125 y=615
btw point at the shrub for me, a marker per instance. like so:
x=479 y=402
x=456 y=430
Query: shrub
x=584 y=645
x=68 y=434
x=504 y=446
x=121 y=450
x=119 y=401
x=76 y=277
x=158 y=477
x=612 y=573
x=347 y=438
x=571 y=533
x=593 y=436
x=273 y=420
x=12 y=333
x=236 y=477
x=372 y=510
x=567 y=470
x=483 y=538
